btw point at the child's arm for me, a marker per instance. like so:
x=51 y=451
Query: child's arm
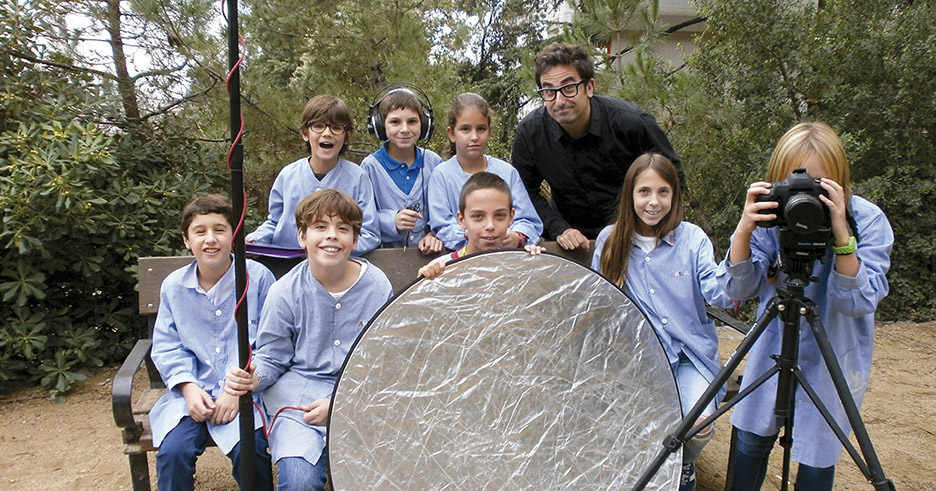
x=443 y=204
x=526 y=220
x=740 y=250
x=435 y=268
x=264 y=233
x=175 y=363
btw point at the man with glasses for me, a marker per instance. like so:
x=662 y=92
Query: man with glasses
x=582 y=144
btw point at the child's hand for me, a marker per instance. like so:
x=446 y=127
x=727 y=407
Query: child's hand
x=511 y=239
x=316 y=413
x=573 y=239
x=432 y=270
x=406 y=219
x=751 y=214
x=837 y=208
x=430 y=244
x=249 y=240
x=534 y=249
x=199 y=403
x=238 y=381
x=226 y=407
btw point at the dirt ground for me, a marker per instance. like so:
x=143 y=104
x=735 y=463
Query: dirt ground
x=75 y=445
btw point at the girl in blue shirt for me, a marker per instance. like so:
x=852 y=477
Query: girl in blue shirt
x=668 y=268
x=850 y=281
x=470 y=120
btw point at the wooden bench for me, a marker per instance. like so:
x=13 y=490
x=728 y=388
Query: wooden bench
x=132 y=416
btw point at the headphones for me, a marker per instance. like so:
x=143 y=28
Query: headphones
x=375 y=124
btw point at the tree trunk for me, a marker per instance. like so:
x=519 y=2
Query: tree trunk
x=125 y=85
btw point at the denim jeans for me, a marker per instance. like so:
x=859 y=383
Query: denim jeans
x=297 y=474
x=175 y=459
x=749 y=468
x=692 y=385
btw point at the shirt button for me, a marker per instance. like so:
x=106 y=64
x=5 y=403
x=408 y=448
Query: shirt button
x=218 y=313
x=337 y=306
x=652 y=291
x=647 y=259
x=337 y=342
x=218 y=349
x=664 y=320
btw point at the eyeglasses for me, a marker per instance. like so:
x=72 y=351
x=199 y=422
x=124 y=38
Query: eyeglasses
x=568 y=91
x=319 y=127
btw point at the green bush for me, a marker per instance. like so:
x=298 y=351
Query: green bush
x=78 y=205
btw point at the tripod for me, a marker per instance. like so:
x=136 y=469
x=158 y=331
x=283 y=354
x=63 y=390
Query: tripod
x=790 y=304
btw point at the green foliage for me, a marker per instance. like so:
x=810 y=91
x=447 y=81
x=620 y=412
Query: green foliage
x=863 y=66
x=78 y=205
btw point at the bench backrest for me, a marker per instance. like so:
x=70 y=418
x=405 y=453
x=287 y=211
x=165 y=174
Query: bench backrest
x=400 y=267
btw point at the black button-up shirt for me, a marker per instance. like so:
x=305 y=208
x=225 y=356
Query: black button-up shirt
x=585 y=174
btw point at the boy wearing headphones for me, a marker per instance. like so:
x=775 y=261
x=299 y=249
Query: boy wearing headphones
x=400 y=170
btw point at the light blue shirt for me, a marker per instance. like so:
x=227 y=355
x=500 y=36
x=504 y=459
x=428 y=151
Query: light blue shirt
x=305 y=336
x=389 y=198
x=671 y=284
x=846 y=308
x=195 y=340
x=296 y=181
x=445 y=188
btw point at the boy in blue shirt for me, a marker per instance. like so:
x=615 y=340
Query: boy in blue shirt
x=399 y=171
x=312 y=316
x=327 y=129
x=485 y=213
x=194 y=342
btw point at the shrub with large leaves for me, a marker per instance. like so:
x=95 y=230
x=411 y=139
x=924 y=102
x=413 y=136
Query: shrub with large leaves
x=79 y=202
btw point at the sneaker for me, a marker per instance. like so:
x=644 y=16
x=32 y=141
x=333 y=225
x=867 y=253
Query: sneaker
x=687 y=477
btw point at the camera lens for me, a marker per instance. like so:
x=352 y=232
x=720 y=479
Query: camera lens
x=805 y=214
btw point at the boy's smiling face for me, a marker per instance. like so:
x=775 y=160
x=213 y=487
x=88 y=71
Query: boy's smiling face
x=487 y=217
x=209 y=239
x=403 y=127
x=328 y=241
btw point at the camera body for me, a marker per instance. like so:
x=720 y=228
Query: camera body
x=805 y=226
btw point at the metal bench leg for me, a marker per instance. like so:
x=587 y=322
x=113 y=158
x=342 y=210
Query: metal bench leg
x=139 y=472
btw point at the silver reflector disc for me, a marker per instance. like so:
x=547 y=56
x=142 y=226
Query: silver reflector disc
x=509 y=371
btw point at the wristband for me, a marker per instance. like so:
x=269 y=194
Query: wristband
x=523 y=239
x=846 y=249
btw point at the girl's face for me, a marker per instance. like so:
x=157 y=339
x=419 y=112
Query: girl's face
x=470 y=134
x=653 y=199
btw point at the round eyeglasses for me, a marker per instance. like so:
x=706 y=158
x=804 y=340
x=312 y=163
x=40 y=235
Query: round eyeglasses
x=319 y=127
x=568 y=91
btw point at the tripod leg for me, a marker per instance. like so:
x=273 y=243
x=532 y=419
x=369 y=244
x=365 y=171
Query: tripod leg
x=875 y=472
x=673 y=442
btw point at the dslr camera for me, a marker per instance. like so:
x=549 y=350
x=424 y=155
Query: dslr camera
x=805 y=226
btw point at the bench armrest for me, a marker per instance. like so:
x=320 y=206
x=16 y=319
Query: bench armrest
x=122 y=388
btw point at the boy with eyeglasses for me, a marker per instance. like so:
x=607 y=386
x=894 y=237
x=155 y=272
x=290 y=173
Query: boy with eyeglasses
x=581 y=144
x=327 y=129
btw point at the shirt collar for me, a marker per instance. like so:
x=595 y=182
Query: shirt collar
x=389 y=163
x=225 y=284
